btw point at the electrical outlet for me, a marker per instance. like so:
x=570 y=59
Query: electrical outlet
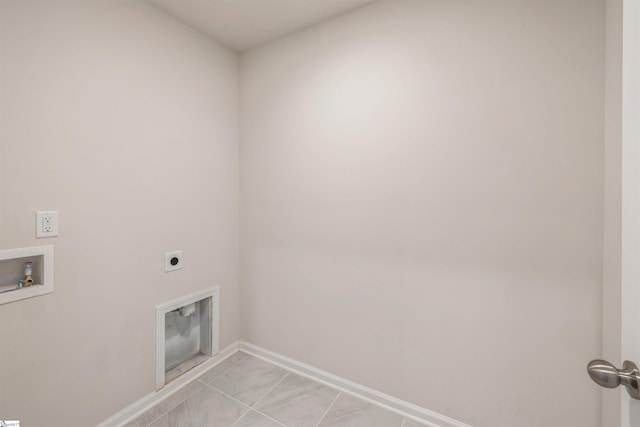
x=46 y=224
x=173 y=261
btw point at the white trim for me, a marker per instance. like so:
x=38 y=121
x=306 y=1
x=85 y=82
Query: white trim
x=406 y=409
x=409 y=410
x=630 y=273
x=139 y=407
x=162 y=309
x=46 y=252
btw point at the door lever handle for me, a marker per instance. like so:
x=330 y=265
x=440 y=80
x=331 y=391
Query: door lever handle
x=606 y=375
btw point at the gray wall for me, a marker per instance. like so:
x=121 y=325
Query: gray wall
x=125 y=121
x=422 y=201
x=422 y=204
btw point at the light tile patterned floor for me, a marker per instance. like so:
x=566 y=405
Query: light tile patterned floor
x=244 y=391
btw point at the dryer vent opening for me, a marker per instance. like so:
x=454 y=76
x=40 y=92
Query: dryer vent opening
x=186 y=334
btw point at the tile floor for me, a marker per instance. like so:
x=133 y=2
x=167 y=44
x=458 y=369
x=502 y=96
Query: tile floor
x=244 y=391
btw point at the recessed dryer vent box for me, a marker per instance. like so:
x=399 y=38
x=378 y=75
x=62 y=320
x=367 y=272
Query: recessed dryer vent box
x=186 y=334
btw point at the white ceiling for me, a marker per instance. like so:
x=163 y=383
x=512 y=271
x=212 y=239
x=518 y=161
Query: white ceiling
x=243 y=24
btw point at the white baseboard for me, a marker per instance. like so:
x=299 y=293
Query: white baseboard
x=137 y=408
x=409 y=410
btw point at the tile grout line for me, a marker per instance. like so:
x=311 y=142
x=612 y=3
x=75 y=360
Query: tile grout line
x=179 y=403
x=411 y=412
x=200 y=381
x=270 y=390
x=266 y=394
x=240 y=417
x=227 y=395
x=233 y=365
x=329 y=408
x=252 y=407
x=249 y=408
x=268 y=417
x=264 y=415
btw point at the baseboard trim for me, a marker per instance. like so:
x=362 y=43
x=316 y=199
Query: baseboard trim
x=132 y=411
x=409 y=410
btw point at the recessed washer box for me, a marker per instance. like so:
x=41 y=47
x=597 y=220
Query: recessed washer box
x=12 y=271
x=187 y=334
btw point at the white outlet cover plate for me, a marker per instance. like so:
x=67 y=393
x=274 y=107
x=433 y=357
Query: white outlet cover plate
x=46 y=224
x=167 y=261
